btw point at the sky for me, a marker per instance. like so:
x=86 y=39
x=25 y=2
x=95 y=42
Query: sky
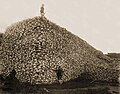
x=95 y=21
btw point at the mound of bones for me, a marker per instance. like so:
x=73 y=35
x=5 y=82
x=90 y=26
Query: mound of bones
x=36 y=47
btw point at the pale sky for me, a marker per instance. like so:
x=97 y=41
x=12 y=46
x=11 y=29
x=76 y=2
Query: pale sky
x=96 y=21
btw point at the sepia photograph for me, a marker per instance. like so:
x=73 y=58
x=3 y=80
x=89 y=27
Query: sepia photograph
x=59 y=47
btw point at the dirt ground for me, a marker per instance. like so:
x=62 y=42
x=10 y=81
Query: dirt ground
x=77 y=86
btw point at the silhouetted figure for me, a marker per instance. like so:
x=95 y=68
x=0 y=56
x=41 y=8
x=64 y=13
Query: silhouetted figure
x=42 y=10
x=10 y=81
x=59 y=73
x=11 y=75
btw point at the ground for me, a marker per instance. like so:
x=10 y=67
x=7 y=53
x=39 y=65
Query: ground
x=77 y=86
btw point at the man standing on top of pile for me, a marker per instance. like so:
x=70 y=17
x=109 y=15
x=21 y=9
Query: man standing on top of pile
x=42 y=11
